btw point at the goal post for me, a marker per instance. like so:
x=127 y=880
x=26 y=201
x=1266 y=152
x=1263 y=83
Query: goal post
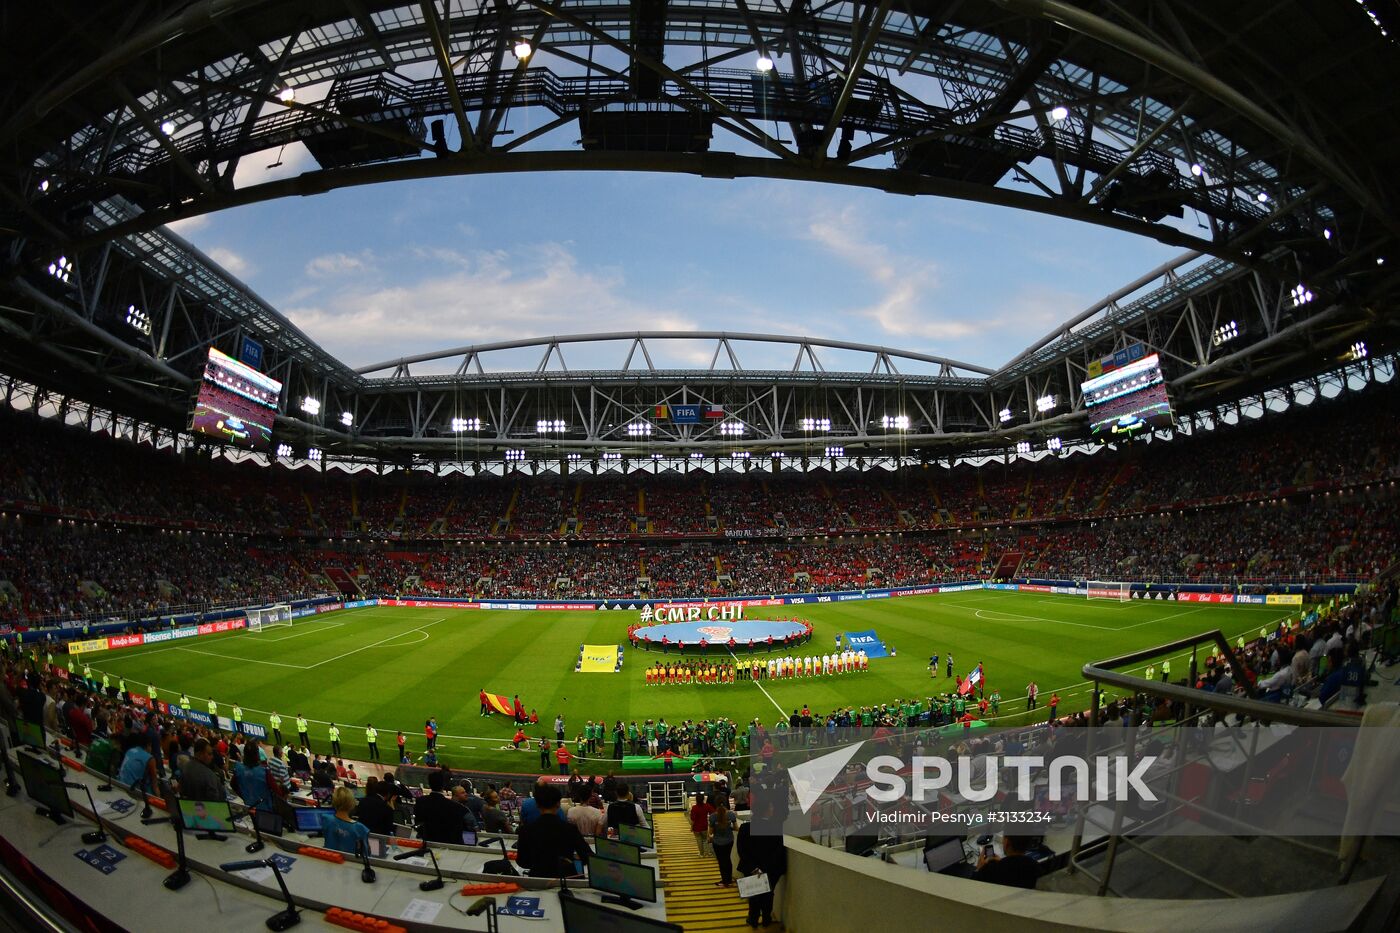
x=269 y=617
x=1110 y=589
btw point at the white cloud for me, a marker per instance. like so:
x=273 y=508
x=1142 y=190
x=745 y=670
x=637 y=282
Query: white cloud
x=336 y=264
x=904 y=287
x=478 y=297
x=232 y=262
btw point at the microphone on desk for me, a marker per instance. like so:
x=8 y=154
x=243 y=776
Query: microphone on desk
x=99 y=834
x=367 y=873
x=435 y=884
x=282 y=919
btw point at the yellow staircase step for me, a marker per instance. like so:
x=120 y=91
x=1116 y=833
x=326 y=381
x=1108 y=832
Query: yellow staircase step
x=692 y=900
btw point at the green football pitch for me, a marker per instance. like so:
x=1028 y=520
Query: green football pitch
x=395 y=667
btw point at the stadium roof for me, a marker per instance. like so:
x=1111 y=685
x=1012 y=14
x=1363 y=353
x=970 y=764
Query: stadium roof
x=1267 y=127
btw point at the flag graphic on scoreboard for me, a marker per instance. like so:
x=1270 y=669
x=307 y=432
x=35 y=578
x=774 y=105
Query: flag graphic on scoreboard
x=662 y=412
x=500 y=704
x=714 y=411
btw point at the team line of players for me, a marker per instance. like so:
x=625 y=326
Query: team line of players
x=709 y=672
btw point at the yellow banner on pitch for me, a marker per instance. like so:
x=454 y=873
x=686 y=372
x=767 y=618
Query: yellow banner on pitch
x=81 y=647
x=1284 y=599
x=598 y=659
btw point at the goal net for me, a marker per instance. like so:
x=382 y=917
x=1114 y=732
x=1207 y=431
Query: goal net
x=1110 y=589
x=259 y=619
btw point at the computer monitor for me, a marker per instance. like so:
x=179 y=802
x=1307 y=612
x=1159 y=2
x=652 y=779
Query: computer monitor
x=625 y=884
x=585 y=916
x=29 y=733
x=637 y=835
x=309 y=819
x=43 y=782
x=468 y=837
x=207 y=817
x=268 y=822
x=942 y=852
x=617 y=851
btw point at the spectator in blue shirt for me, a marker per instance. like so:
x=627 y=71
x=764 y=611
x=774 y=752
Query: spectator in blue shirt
x=340 y=832
x=138 y=770
x=530 y=808
x=250 y=779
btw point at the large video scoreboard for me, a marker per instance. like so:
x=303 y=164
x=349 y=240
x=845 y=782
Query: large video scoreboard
x=1129 y=399
x=236 y=403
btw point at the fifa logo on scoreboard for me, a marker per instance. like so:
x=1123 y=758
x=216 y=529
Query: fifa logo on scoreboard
x=727 y=612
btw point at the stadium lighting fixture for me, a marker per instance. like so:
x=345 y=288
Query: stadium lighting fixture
x=61 y=268
x=465 y=424
x=287 y=94
x=1300 y=295
x=696 y=455
x=836 y=451
x=764 y=64
x=347 y=418
x=311 y=406
x=815 y=424
x=1023 y=447
x=1054 y=443
x=284 y=451
x=611 y=455
x=574 y=458
x=43 y=185
x=136 y=318
x=1380 y=260
x=639 y=429
x=168 y=127
x=550 y=427
x=1197 y=170
x=1225 y=333
x=1060 y=113
x=732 y=429
x=1359 y=351
x=777 y=455
x=1263 y=197
x=895 y=422
x=1004 y=415
x=523 y=50
x=739 y=455
x=515 y=454
x=1327 y=233
x=1044 y=403
x=314 y=454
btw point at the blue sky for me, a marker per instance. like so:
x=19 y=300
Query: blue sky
x=389 y=270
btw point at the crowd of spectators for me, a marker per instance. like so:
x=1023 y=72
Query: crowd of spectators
x=1330 y=443
x=1304 y=497
x=73 y=571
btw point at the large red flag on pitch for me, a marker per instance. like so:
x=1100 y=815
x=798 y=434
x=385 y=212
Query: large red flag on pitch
x=500 y=704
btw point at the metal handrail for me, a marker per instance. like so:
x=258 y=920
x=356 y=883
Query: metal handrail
x=1102 y=672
